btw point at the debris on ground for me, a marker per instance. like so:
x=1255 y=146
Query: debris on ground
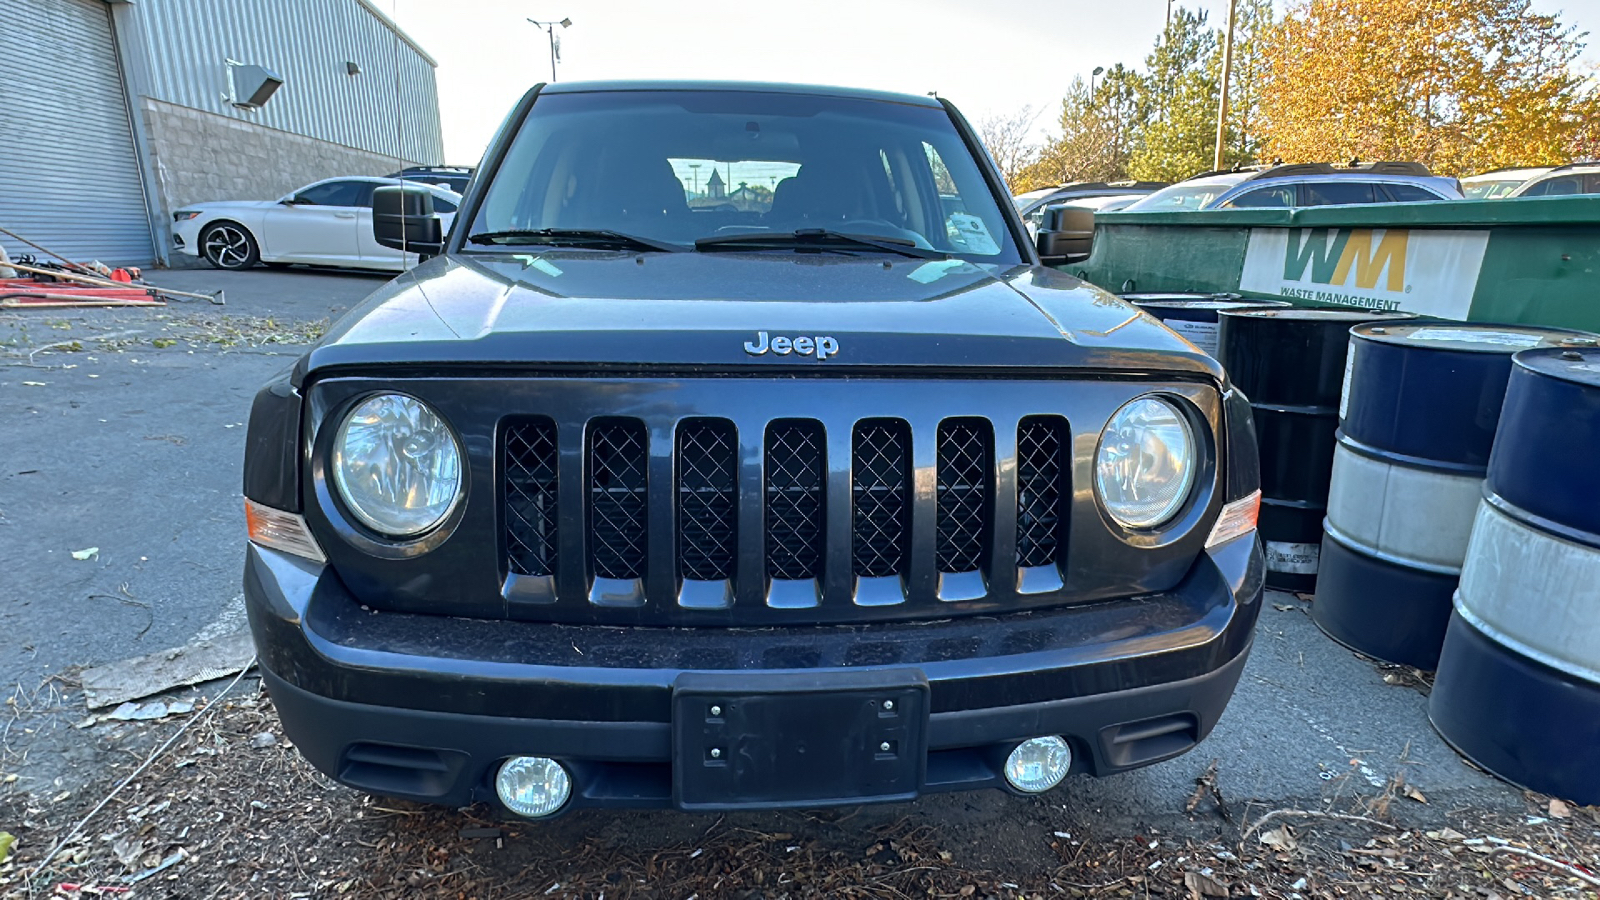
x=155 y=673
x=231 y=810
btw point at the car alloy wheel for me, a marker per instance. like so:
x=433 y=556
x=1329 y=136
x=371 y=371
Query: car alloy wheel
x=228 y=246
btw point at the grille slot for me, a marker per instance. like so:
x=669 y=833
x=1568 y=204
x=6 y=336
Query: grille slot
x=617 y=454
x=707 y=457
x=964 y=518
x=795 y=461
x=529 y=458
x=1041 y=490
x=881 y=488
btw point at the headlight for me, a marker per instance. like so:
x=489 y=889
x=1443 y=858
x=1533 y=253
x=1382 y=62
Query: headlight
x=1144 y=467
x=397 y=465
x=184 y=215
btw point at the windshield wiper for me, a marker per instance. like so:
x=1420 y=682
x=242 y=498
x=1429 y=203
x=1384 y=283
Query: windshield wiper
x=814 y=237
x=575 y=237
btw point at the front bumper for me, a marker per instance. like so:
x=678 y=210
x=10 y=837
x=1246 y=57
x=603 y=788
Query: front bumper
x=426 y=707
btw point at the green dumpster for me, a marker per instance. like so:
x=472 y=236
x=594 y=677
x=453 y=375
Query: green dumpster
x=1534 y=261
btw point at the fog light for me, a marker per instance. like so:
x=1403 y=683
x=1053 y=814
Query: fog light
x=533 y=786
x=1039 y=764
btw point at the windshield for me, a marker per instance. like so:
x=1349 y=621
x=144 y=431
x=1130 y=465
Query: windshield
x=1490 y=190
x=1192 y=195
x=682 y=166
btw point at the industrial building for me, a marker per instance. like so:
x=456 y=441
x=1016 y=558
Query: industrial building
x=115 y=113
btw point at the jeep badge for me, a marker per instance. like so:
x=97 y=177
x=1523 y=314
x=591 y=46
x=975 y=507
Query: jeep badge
x=821 y=345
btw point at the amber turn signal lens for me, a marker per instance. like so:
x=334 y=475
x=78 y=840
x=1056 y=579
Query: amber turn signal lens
x=1237 y=520
x=281 y=530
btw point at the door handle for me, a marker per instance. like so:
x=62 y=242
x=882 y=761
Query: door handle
x=344 y=215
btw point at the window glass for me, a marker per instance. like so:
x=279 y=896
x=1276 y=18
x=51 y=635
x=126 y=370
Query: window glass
x=1405 y=193
x=1554 y=187
x=1186 y=195
x=677 y=166
x=1277 y=197
x=337 y=193
x=1488 y=190
x=442 y=205
x=1337 y=193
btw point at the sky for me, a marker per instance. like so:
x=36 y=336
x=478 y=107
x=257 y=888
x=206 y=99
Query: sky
x=987 y=56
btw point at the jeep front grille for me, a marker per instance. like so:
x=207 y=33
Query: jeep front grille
x=794 y=482
x=796 y=515
x=881 y=491
x=707 y=464
x=618 y=527
x=530 y=491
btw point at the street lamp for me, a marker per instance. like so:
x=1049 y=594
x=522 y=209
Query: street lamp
x=1098 y=71
x=555 y=46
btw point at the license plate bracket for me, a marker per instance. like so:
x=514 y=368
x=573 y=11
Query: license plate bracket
x=774 y=740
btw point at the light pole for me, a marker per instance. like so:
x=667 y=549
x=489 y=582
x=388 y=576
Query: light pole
x=550 y=28
x=1098 y=71
x=694 y=172
x=1227 y=70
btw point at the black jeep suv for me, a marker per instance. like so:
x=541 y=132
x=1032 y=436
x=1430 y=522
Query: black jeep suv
x=735 y=451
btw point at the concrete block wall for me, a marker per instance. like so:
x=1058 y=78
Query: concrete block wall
x=199 y=156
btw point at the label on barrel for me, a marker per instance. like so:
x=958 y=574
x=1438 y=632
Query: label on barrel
x=1294 y=559
x=1200 y=334
x=1472 y=336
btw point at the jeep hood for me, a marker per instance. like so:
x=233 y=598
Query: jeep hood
x=582 y=310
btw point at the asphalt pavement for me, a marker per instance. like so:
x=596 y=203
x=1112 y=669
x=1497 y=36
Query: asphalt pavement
x=130 y=442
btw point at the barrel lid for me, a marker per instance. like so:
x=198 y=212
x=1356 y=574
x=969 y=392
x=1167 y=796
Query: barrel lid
x=1204 y=303
x=1581 y=365
x=1472 y=337
x=1298 y=314
x=1176 y=295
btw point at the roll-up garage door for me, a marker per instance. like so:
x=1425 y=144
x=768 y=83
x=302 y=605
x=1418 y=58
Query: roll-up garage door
x=69 y=178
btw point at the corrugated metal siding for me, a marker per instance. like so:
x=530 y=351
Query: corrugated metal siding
x=68 y=175
x=187 y=44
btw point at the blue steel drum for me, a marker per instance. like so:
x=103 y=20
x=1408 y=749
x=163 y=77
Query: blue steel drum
x=1290 y=362
x=1518 y=688
x=1194 y=316
x=1417 y=422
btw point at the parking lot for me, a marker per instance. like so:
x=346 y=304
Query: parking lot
x=125 y=437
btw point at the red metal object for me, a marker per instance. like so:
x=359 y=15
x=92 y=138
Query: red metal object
x=15 y=292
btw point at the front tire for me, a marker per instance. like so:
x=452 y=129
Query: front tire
x=229 y=245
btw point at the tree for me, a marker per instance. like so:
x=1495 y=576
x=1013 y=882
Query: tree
x=1009 y=139
x=1461 y=85
x=1251 y=68
x=1096 y=134
x=1181 y=81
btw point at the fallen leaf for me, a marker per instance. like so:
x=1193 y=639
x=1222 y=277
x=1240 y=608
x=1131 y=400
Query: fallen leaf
x=1415 y=794
x=34 y=383
x=1446 y=834
x=1280 y=838
x=6 y=840
x=86 y=553
x=1200 y=885
x=1559 y=809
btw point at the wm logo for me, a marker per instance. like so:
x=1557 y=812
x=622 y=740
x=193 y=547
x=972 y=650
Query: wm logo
x=1329 y=255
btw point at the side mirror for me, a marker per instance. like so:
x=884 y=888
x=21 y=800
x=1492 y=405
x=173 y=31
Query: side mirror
x=403 y=219
x=1066 y=234
x=290 y=200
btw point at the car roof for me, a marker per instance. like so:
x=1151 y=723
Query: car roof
x=759 y=87
x=1508 y=173
x=382 y=179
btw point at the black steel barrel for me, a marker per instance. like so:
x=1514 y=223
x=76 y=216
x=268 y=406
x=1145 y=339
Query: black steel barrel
x=1194 y=316
x=1417 y=422
x=1290 y=363
x=1518 y=687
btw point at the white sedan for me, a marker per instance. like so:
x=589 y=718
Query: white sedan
x=328 y=223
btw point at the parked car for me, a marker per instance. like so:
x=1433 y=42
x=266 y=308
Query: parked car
x=453 y=177
x=1563 y=181
x=837 y=498
x=1033 y=203
x=326 y=223
x=1304 y=184
x=1498 y=184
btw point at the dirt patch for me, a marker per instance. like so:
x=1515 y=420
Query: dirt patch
x=231 y=810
